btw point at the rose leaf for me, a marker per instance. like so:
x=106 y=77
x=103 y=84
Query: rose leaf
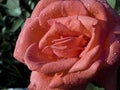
x=91 y=86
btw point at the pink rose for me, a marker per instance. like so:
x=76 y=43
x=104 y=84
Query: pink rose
x=68 y=43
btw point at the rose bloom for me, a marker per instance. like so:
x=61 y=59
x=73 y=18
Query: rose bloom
x=69 y=43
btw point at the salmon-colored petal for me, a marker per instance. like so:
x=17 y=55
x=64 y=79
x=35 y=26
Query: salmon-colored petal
x=114 y=52
x=34 y=58
x=95 y=8
x=80 y=77
x=40 y=6
x=16 y=55
x=55 y=32
x=57 y=81
x=67 y=47
x=39 y=81
x=111 y=48
x=56 y=78
x=60 y=9
x=71 y=22
x=86 y=61
x=77 y=78
x=60 y=39
x=78 y=24
x=88 y=22
x=58 y=66
x=73 y=7
x=31 y=32
x=99 y=33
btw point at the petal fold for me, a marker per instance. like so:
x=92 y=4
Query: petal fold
x=31 y=32
x=61 y=9
x=82 y=76
x=58 y=66
x=96 y=9
x=86 y=60
x=34 y=59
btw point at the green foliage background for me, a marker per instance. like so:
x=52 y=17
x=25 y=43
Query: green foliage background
x=13 y=13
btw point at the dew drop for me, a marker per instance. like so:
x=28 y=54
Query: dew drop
x=118 y=41
x=107 y=61
x=88 y=5
x=111 y=62
x=115 y=53
x=104 y=3
x=44 y=15
x=17 y=50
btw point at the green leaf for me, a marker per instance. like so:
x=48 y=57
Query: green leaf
x=17 y=24
x=112 y=3
x=1 y=0
x=91 y=86
x=13 y=7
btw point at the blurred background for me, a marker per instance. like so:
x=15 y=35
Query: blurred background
x=13 y=13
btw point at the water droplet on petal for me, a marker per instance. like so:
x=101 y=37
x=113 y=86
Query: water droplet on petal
x=44 y=15
x=115 y=53
x=118 y=41
x=88 y=5
x=103 y=3
x=17 y=50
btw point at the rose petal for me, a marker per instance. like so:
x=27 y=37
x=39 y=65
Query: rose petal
x=86 y=61
x=55 y=32
x=16 y=55
x=31 y=32
x=99 y=34
x=78 y=24
x=88 y=22
x=76 y=78
x=39 y=81
x=69 y=46
x=58 y=66
x=112 y=48
x=34 y=59
x=95 y=8
x=57 y=78
x=71 y=22
x=80 y=77
x=114 y=53
x=60 y=9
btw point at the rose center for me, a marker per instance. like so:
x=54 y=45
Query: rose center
x=65 y=47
